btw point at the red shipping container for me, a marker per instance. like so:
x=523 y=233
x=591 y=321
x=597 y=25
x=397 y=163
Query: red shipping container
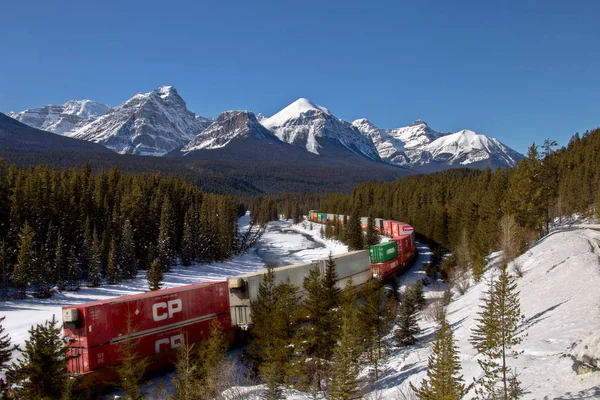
x=104 y=321
x=386 y=268
x=387 y=227
x=396 y=228
x=147 y=344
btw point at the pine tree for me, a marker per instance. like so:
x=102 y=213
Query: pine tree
x=73 y=271
x=353 y=232
x=372 y=236
x=26 y=260
x=42 y=370
x=408 y=327
x=186 y=381
x=155 y=276
x=443 y=369
x=187 y=242
x=3 y=272
x=43 y=274
x=128 y=257
x=212 y=360
x=132 y=367
x=5 y=356
x=113 y=274
x=60 y=264
x=376 y=315
x=345 y=368
x=93 y=275
x=166 y=237
x=496 y=335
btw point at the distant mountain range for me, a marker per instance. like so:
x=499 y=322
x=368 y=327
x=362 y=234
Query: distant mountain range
x=158 y=123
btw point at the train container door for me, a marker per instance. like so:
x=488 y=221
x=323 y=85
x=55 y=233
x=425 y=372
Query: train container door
x=379 y=225
x=88 y=359
x=87 y=324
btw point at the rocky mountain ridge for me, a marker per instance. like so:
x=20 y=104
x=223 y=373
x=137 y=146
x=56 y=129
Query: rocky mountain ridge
x=158 y=122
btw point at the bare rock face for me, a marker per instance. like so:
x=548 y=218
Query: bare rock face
x=152 y=123
x=227 y=127
x=62 y=119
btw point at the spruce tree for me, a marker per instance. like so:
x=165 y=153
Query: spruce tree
x=155 y=276
x=3 y=272
x=496 y=335
x=166 y=237
x=41 y=371
x=186 y=381
x=372 y=236
x=113 y=274
x=376 y=315
x=60 y=264
x=128 y=258
x=345 y=367
x=353 y=232
x=26 y=260
x=5 y=356
x=408 y=327
x=443 y=369
x=73 y=271
x=93 y=273
x=187 y=242
x=132 y=367
x=212 y=360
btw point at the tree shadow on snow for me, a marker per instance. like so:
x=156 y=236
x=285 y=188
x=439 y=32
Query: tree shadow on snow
x=393 y=380
x=593 y=393
x=537 y=318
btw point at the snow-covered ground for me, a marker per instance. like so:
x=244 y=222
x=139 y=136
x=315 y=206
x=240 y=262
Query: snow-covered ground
x=558 y=292
x=283 y=241
x=560 y=301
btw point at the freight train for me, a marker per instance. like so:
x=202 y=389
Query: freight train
x=163 y=320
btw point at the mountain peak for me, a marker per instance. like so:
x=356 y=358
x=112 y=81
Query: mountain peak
x=166 y=91
x=419 y=122
x=293 y=111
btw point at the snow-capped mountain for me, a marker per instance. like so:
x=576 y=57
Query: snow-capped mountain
x=152 y=123
x=228 y=126
x=420 y=147
x=307 y=125
x=62 y=119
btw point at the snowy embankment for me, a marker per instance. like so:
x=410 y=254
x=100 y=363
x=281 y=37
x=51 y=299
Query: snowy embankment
x=289 y=243
x=560 y=299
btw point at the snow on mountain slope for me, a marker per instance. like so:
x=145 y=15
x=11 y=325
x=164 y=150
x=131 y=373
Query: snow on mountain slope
x=419 y=146
x=390 y=149
x=152 y=123
x=467 y=147
x=309 y=126
x=228 y=126
x=62 y=119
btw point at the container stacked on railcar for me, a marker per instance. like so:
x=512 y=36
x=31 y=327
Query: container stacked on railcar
x=243 y=289
x=160 y=322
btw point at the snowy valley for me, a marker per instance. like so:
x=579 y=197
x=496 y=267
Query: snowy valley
x=558 y=295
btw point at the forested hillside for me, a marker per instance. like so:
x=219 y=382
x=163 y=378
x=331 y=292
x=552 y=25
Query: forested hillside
x=466 y=205
x=70 y=227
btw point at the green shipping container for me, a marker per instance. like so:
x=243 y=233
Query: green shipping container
x=319 y=216
x=383 y=252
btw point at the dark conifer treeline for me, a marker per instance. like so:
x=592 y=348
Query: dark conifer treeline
x=70 y=226
x=444 y=206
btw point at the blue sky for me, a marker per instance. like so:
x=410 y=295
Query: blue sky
x=520 y=71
